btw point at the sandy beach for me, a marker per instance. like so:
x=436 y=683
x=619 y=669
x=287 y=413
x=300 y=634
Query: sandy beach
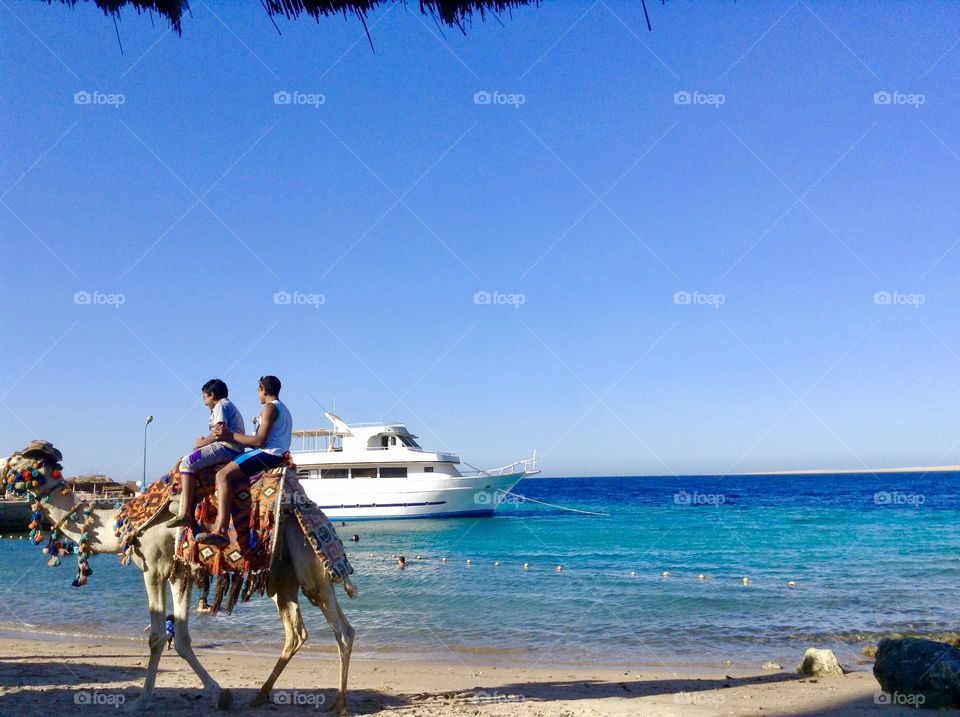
x=44 y=678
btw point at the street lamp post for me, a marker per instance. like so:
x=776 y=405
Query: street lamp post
x=143 y=483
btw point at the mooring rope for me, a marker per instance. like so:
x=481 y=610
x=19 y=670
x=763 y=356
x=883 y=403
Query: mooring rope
x=553 y=505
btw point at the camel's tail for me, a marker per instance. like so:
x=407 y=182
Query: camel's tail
x=350 y=588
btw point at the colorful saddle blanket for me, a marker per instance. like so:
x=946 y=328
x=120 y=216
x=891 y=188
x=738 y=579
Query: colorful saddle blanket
x=243 y=567
x=252 y=531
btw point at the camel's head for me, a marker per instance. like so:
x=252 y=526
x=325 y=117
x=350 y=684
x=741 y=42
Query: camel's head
x=33 y=471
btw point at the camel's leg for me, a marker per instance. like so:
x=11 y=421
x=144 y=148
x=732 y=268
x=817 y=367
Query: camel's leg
x=157 y=602
x=181 y=641
x=323 y=594
x=283 y=588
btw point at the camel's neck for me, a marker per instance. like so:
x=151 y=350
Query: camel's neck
x=102 y=539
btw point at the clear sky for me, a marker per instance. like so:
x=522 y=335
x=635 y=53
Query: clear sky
x=739 y=153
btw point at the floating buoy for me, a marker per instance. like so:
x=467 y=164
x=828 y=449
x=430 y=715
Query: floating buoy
x=701 y=576
x=666 y=573
x=443 y=560
x=496 y=563
x=559 y=568
x=419 y=557
x=791 y=584
x=633 y=573
x=526 y=566
x=746 y=581
x=469 y=562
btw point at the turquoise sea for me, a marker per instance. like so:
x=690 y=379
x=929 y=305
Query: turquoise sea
x=870 y=555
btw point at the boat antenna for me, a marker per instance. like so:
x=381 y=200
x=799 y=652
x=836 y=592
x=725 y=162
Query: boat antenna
x=315 y=399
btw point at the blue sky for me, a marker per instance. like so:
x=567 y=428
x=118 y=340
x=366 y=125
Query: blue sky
x=739 y=153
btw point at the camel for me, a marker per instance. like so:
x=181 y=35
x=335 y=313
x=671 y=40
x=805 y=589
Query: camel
x=296 y=568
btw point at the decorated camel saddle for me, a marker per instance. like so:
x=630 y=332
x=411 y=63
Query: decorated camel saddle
x=241 y=568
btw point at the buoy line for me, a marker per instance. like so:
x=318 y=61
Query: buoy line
x=666 y=574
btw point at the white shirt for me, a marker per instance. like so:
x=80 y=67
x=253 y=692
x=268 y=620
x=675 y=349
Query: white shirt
x=281 y=431
x=225 y=412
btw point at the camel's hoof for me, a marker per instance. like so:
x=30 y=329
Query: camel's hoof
x=137 y=705
x=224 y=699
x=260 y=699
x=339 y=705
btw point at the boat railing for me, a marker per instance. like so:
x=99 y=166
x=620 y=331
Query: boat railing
x=375 y=424
x=439 y=453
x=527 y=465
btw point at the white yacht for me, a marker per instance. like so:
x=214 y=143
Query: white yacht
x=378 y=470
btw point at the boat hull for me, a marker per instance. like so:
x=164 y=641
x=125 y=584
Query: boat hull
x=14 y=516
x=381 y=499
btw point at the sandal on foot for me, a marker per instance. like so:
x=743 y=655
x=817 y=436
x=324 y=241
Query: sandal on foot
x=217 y=539
x=180 y=523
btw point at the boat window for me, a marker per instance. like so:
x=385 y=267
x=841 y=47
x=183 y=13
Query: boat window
x=393 y=440
x=428 y=469
x=383 y=441
x=301 y=474
x=408 y=441
x=334 y=473
x=363 y=472
x=393 y=472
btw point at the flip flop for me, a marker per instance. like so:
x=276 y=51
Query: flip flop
x=217 y=539
x=184 y=522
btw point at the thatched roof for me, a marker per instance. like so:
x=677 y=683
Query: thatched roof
x=102 y=485
x=91 y=479
x=450 y=12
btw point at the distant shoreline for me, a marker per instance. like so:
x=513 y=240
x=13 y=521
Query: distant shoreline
x=822 y=471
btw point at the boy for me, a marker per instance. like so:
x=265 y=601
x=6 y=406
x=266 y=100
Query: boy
x=170 y=631
x=169 y=624
x=271 y=441
x=209 y=449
